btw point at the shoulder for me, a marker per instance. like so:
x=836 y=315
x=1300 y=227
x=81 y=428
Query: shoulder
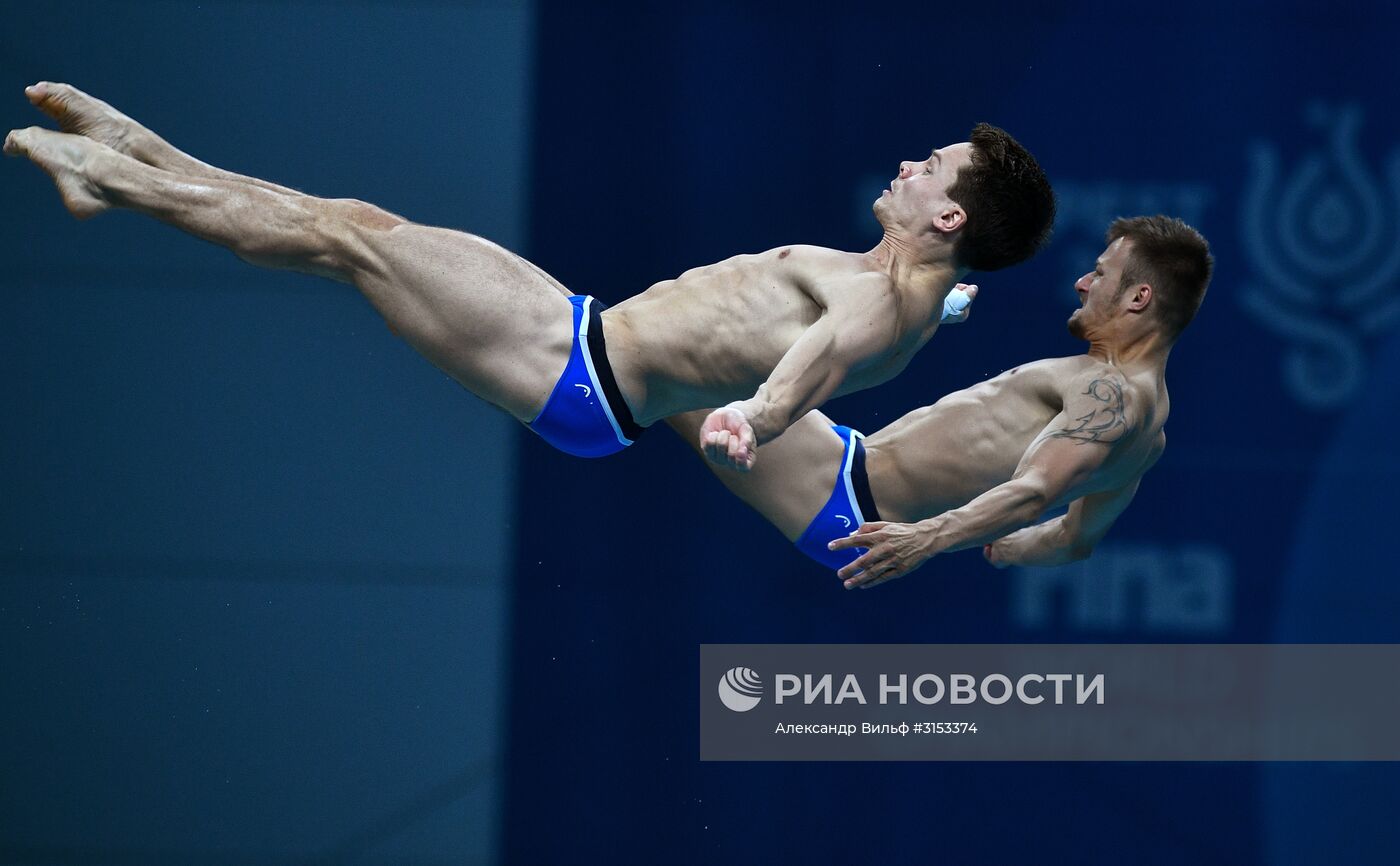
x=1100 y=405
x=1096 y=380
x=1053 y=371
x=856 y=290
x=821 y=259
x=830 y=276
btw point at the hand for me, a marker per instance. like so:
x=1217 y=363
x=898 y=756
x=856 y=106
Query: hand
x=895 y=550
x=1009 y=549
x=727 y=438
x=958 y=305
x=997 y=554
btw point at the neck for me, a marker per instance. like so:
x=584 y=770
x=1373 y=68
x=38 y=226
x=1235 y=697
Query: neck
x=911 y=268
x=1136 y=353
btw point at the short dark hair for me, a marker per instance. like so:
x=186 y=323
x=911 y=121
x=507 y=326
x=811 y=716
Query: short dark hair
x=1010 y=206
x=1171 y=257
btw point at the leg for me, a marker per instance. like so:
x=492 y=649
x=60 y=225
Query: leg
x=484 y=315
x=79 y=113
x=792 y=481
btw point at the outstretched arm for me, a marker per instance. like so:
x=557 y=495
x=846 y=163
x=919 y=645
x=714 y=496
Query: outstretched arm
x=1058 y=466
x=807 y=375
x=843 y=339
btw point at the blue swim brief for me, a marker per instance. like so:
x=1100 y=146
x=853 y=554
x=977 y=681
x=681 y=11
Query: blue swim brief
x=585 y=414
x=850 y=505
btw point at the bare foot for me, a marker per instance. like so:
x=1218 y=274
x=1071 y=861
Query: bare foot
x=81 y=114
x=67 y=159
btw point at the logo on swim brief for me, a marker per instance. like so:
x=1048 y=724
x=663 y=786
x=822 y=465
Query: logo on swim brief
x=845 y=521
x=740 y=689
x=587 y=391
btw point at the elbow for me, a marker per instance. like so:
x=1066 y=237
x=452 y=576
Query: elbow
x=1035 y=501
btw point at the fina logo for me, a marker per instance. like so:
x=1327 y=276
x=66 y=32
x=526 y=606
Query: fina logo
x=740 y=689
x=1323 y=251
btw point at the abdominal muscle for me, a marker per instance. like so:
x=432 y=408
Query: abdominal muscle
x=943 y=456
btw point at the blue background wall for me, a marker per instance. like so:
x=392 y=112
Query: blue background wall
x=255 y=583
x=213 y=466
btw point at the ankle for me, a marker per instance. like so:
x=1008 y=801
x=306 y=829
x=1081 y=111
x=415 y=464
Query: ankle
x=148 y=148
x=110 y=174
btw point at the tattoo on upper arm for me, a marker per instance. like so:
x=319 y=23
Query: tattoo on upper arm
x=1105 y=423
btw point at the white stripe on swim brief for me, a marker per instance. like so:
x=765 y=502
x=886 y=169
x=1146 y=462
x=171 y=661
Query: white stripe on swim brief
x=846 y=477
x=593 y=374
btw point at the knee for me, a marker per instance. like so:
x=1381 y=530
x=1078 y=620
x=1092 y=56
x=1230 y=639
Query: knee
x=351 y=236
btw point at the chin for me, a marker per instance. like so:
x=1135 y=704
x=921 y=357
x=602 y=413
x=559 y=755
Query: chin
x=1075 y=327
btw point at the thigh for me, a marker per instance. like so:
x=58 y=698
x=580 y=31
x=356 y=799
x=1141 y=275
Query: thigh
x=493 y=321
x=793 y=476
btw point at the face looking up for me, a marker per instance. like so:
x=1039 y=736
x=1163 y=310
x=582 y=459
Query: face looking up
x=917 y=201
x=1100 y=290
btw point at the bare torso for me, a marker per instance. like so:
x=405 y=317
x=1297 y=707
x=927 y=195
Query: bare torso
x=943 y=456
x=715 y=333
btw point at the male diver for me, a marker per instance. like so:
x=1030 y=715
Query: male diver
x=982 y=464
x=777 y=333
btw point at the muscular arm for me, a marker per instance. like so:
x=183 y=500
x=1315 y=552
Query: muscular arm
x=812 y=370
x=1073 y=535
x=856 y=329
x=1058 y=466
x=1068 y=538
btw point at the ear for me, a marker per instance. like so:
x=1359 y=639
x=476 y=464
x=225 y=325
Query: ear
x=952 y=218
x=1140 y=298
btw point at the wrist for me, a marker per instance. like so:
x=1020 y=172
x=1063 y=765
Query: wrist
x=753 y=413
x=932 y=536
